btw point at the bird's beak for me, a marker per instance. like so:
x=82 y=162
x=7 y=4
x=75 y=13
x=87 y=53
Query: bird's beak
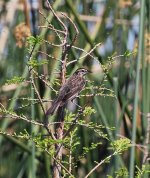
x=89 y=71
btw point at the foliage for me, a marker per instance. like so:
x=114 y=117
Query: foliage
x=15 y=80
x=35 y=63
x=145 y=170
x=121 y=173
x=121 y=145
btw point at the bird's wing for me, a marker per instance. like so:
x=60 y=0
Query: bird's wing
x=70 y=90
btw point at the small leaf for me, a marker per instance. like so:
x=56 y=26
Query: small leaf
x=88 y=111
x=15 y=80
x=35 y=63
x=128 y=53
x=34 y=40
x=121 y=145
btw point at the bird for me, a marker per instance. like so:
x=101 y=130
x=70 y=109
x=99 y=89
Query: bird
x=69 y=90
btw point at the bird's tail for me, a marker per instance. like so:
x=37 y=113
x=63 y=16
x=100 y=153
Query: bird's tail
x=53 y=108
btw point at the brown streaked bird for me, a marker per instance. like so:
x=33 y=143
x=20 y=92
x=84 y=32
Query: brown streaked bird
x=69 y=90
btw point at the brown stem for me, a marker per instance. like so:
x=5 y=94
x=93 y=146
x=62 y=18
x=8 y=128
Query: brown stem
x=59 y=131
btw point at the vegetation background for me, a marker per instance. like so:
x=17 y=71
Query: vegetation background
x=118 y=32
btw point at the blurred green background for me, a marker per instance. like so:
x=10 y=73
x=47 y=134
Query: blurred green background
x=123 y=29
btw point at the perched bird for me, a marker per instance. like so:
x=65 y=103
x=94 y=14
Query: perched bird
x=69 y=90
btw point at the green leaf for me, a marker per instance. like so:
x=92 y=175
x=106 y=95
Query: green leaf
x=128 y=53
x=15 y=80
x=35 y=63
x=121 y=145
x=34 y=40
x=88 y=111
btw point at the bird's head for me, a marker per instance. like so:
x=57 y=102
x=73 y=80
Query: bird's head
x=82 y=71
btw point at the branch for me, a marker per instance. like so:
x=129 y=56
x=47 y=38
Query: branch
x=99 y=164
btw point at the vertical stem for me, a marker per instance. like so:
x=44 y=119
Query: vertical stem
x=116 y=166
x=132 y=158
x=60 y=127
x=148 y=56
x=58 y=148
x=33 y=118
x=59 y=136
x=70 y=154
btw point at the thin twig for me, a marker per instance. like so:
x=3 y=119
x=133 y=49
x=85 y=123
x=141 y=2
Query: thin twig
x=139 y=146
x=50 y=56
x=75 y=47
x=71 y=62
x=56 y=16
x=52 y=28
x=54 y=45
x=22 y=117
x=99 y=164
x=55 y=30
x=37 y=93
x=44 y=81
x=59 y=163
x=88 y=53
x=75 y=27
